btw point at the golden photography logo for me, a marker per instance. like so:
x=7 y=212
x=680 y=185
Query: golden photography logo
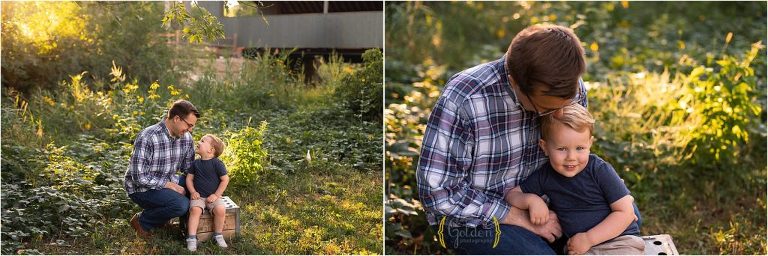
x=441 y=232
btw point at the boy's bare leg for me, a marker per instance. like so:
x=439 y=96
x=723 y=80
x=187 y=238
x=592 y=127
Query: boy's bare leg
x=194 y=220
x=219 y=213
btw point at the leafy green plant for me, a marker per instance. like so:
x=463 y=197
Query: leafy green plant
x=245 y=157
x=197 y=25
x=39 y=52
x=360 y=92
x=56 y=195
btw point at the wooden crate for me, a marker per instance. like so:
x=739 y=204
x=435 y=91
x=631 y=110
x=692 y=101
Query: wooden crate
x=659 y=245
x=231 y=222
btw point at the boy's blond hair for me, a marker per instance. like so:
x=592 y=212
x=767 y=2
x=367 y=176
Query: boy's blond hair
x=574 y=115
x=218 y=145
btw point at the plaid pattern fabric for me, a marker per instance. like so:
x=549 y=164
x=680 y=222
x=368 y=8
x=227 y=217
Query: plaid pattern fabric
x=479 y=143
x=156 y=158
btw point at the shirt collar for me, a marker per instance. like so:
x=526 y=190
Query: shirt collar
x=506 y=83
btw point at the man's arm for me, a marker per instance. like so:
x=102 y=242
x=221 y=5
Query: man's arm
x=189 y=157
x=612 y=226
x=445 y=166
x=141 y=164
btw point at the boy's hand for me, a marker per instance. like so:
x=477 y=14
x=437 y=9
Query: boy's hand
x=212 y=198
x=538 y=210
x=195 y=196
x=579 y=244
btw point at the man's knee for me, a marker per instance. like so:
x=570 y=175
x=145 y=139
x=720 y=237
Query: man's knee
x=180 y=207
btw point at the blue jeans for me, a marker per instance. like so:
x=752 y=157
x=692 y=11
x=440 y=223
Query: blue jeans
x=159 y=206
x=512 y=240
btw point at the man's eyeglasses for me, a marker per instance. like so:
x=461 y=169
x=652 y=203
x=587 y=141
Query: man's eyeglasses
x=547 y=112
x=189 y=126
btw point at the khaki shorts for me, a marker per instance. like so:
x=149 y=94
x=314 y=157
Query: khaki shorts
x=200 y=202
x=624 y=245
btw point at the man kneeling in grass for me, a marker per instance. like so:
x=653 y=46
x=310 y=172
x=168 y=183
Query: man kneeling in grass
x=206 y=182
x=159 y=152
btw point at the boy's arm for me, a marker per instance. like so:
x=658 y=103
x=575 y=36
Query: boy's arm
x=622 y=215
x=538 y=210
x=222 y=186
x=191 y=186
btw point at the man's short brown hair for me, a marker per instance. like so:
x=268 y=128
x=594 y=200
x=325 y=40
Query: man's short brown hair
x=182 y=108
x=548 y=55
x=218 y=144
x=574 y=116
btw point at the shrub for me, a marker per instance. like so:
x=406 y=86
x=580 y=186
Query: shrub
x=245 y=157
x=84 y=36
x=361 y=92
x=704 y=118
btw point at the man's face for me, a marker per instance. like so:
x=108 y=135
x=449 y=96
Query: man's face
x=538 y=102
x=568 y=149
x=183 y=125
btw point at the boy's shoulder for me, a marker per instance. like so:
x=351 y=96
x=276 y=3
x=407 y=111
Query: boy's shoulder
x=595 y=162
x=600 y=169
x=214 y=160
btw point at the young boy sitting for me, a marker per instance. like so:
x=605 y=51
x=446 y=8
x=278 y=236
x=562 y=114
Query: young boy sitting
x=592 y=203
x=206 y=182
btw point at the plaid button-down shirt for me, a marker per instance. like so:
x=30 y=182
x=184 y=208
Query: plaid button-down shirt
x=479 y=143
x=157 y=157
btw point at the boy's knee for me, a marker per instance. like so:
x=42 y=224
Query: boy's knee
x=195 y=210
x=219 y=209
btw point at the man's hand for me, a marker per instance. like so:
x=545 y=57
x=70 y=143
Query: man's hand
x=579 y=244
x=550 y=230
x=175 y=187
x=195 y=196
x=212 y=198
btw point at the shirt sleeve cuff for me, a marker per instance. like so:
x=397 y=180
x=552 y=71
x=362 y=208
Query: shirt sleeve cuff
x=496 y=209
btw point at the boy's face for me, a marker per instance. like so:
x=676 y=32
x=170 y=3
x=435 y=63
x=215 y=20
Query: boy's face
x=568 y=149
x=204 y=147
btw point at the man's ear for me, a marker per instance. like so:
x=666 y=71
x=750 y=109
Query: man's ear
x=543 y=145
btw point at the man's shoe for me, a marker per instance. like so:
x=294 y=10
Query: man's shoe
x=136 y=226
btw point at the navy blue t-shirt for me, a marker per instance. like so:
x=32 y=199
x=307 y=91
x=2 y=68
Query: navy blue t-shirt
x=582 y=201
x=207 y=175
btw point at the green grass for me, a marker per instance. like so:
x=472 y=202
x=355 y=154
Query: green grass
x=730 y=221
x=308 y=213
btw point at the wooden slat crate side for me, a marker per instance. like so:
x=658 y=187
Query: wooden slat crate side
x=228 y=235
x=206 y=224
x=231 y=222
